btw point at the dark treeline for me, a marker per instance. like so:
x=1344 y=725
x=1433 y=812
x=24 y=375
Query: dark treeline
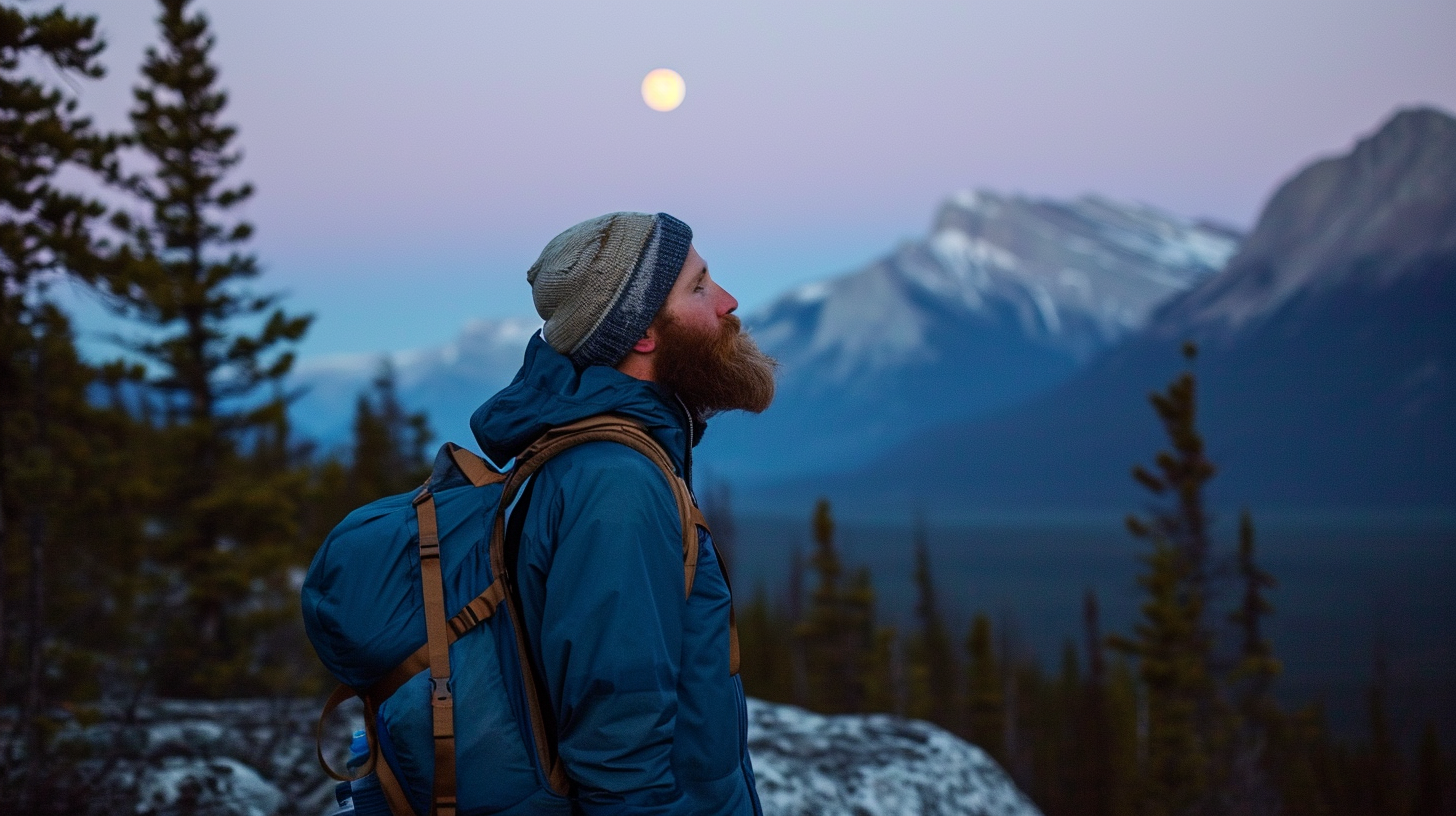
x=1176 y=717
x=156 y=511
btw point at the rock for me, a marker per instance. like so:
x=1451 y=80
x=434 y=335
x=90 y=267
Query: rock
x=872 y=765
x=218 y=787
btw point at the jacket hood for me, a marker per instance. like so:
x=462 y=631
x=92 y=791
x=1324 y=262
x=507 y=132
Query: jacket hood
x=549 y=392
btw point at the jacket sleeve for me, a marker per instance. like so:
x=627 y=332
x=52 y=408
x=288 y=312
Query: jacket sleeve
x=611 y=618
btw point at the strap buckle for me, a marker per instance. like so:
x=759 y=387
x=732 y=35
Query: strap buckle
x=440 y=693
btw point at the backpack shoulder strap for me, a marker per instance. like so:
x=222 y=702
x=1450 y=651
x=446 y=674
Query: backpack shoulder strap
x=604 y=428
x=613 y=428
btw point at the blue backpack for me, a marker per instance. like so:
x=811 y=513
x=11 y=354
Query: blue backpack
x=410 y=604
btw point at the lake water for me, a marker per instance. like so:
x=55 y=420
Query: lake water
x=1351 y=584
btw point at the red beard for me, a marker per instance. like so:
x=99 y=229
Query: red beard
x=714 y=371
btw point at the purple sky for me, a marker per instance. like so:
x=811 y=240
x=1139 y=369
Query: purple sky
x=412 y=158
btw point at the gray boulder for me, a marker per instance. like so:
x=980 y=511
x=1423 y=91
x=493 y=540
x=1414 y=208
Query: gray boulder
x=872 y=765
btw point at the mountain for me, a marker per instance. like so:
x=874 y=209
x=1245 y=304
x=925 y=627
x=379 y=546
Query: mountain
x=1325 y=366
x=1006 y=297
x=448 y=382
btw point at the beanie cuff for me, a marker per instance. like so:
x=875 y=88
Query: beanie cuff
x=641 y=297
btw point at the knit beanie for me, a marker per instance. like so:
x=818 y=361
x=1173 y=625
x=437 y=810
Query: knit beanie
x=599 y=284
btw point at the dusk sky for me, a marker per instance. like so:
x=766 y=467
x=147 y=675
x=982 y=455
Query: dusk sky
x=411 y=159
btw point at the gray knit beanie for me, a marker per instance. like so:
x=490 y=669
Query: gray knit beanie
x=599 y=284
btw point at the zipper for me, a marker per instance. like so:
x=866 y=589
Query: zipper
x=688 y=448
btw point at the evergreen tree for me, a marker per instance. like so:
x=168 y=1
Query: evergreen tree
x=1172 y=643
x=45 y=235
x=1096 y=771
x=1257 y=667
x=1247 y=785
x=388 y=454
x=873 y=646
x=931 y=670
x=227 y=525
x=794 y=609
x=985 y=697
x=718 y=509
x=765 y=640
x=390 y=451
x=1431 y=776
x=838 y=629
x=1383 y=770
x=1125 y=746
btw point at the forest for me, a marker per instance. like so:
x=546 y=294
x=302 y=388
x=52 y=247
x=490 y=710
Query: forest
x=157 y=511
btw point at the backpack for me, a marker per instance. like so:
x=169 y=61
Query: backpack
x=411 y=606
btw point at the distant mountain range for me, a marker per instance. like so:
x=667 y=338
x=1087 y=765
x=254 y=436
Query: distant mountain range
x=448 y=382
x=1006 y=297
x=1020 y=292
x=1004 y=359
x=1326 y=364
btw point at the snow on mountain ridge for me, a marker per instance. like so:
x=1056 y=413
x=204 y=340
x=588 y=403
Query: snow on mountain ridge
x=1076 y=275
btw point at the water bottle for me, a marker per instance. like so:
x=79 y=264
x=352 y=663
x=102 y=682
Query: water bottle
x=343 y=794
x=367 y=798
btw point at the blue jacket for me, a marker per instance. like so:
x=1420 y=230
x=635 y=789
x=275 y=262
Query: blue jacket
x=649 y=719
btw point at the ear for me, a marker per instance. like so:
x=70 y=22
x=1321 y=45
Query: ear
x=647 y=344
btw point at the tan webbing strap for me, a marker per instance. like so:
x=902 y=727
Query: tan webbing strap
x=475 y=469
x=609 y=428
x=341 y=694
x=479 y=609
x=437 y=641
x=393 y=792
x=733 y=652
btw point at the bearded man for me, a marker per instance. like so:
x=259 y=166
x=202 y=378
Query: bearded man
x=635 y=678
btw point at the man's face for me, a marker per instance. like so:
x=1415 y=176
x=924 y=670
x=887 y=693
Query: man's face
x=702 y=353
x=696 y=300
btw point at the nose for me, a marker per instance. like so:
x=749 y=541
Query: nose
x=727 y=304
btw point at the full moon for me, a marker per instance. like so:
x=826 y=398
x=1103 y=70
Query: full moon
x=663 y=89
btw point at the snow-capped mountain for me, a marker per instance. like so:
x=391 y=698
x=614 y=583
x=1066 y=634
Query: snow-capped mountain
x=448 y=382
x=1325 y=367
x=1006 y=296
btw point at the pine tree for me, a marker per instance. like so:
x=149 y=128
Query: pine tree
x=1257 y=667
x=1247 y=785
x=45 y=235
x=1383 y=764
x=872 y=647
x=225 y=526
x=718 y=509
x=765 y=636
x=985 y=695
x=390 y=443
x=1095 y=748
x=838 y=632
x=1125 y=746
x=794 y=613
x=931 y=667
x=1431 y=775
x=1172 y=643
